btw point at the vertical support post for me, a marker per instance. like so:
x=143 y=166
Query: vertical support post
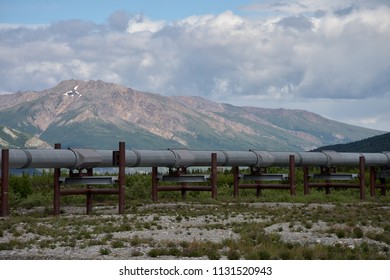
x=183 y=190
x=292 y=175
x=236 y=179
x=4 y=208
x=362 y=184
x=258 y=171
x=383 y=186
x=89 y=200
x=154 y=183
x=327 y=182
x=306 y=189
x=372 y=181
x=258 y=189
x=181 y=171
x=89 y=194
x=214 y=175
x=122 y=177
x=57 y=191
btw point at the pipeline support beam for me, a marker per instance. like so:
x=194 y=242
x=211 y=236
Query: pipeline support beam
x=122 y=177
x=382 y=175
x=4 y=207
x=259 y=175
x=329 y=175
x=87 y=160
x=179 y=176
x=57 y=191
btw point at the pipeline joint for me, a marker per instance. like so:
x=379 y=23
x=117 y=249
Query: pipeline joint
x=183 y=157
x=264 y=158
x=86 y=158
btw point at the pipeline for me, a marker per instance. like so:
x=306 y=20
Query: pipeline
x=89 y=158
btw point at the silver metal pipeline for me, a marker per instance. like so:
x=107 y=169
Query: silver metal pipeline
x=83 y=158
x=41 y=158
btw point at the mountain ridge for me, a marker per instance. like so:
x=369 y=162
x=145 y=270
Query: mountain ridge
x=375 y=144
x=105 y=113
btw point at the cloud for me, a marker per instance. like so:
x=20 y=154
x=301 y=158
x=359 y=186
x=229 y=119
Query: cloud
x=299 y=7
x=340 y=53
x=119 y=20
x=297 y=22
x=141 y=23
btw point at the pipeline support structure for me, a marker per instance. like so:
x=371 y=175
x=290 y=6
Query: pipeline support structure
x=85 y=176
x=331 y=179
x=179 y=160
x=179 y=176
x=264 y=180
x=4 y=207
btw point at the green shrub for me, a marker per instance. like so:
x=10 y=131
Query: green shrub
x=357 y=232
x=263 y=255
x=117 y=244
x=21 y=185
x=104 y=251
x=155 y=252
x=233 y=254
x=340 y=233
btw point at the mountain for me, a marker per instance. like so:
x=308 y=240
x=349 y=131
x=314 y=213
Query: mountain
x=102 y=114
x=376 y=144
x=13 y=138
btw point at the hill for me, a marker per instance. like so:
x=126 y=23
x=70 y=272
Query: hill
x=98 y=114
x=13 y=138
x=380 y=143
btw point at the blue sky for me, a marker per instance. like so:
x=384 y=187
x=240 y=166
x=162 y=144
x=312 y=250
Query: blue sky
x=47 y=11
x=330 y=57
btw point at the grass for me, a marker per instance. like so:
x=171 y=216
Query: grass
x=80 y=231
x=367 y=222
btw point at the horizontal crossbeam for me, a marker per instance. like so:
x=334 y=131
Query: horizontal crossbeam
x=335 y=177
x=88 y=180
x=185 y=178
x=264 y=177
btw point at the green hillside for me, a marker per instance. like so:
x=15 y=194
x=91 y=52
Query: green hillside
x=374 y=144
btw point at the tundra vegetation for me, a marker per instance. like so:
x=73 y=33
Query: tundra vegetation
x=274 y=225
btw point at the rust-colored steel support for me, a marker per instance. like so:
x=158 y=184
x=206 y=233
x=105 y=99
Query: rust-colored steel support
x=306 y=189
x=213 y=175
x=372 y=181
x=57 y=191
x=328 y=176
x=4 y=208
x=122 y=176
x=362 y=184
x=183 y=171
x=89 y=200
x=328 y=183
x=89 y=194
x=383 y=186
x=292 y=176
x=182 y=180
x=260 y=177
x=382 y=181
x=86 y=175
x=236 y=180
x=154 y=183
x=89 y=191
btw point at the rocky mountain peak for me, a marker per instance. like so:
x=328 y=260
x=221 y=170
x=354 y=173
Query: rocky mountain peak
x=99 y=114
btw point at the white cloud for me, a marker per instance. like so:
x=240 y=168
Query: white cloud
x=341 y=53
x=142 y=24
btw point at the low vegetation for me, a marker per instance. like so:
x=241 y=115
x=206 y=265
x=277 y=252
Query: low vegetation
x=274 y=225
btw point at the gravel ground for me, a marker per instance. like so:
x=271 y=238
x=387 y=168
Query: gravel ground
x=161 y=231
x=317 y=235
